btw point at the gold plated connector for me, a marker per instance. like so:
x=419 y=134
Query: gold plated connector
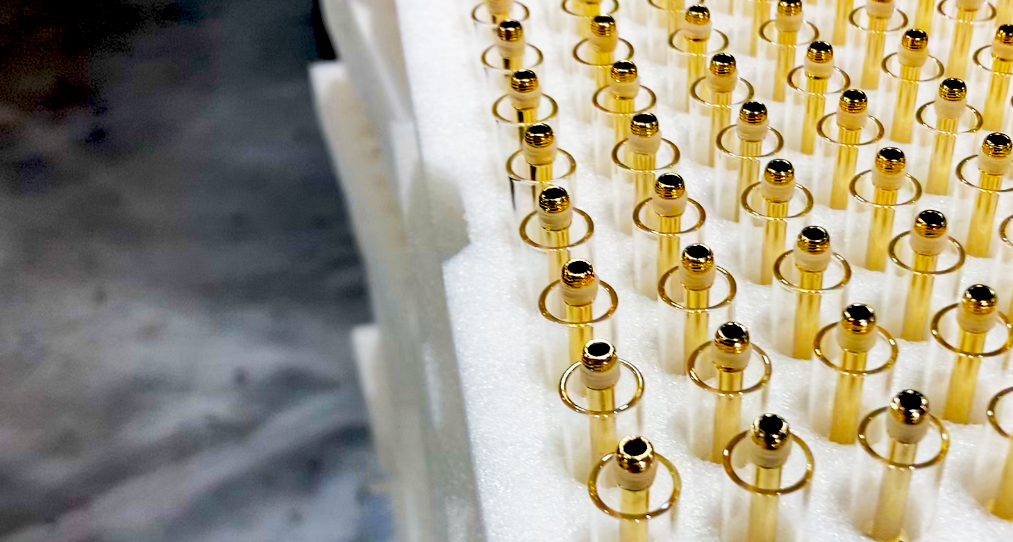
x=850 y=121
x=929 y=225
x=977 y=312
x=599 y=360
x=723 y=68
x=769 y=433
x=890 y=162
x=668 y=187
x=1002 y=68
x=731 y=342
x=637 y=466
x=697 y=261
x=578 y=275
x=751 y=114
x=779 y=173
x=941 y=165
x=812 y=241
x=992 y=165
x=786 y=41
x=857 y=322
x=908 y=412
x=819 y=53
x=913 y=44
x=623 y=71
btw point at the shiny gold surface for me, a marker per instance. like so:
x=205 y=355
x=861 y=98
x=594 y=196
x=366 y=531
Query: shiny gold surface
x=977 y=300
x=910 y=408
x=819 y=52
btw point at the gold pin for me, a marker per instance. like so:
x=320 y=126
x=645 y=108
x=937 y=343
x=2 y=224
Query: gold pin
x=776 y=190
x=579 y=288
x=923 y=15
x=771 y=439
x=603 y=41
x=669 y=204
x=624 y=85
x=811 y=256
x=555 y=216
x=788 y=21
x=819 y=67
x=696 y=273
x=963 y=29
x=510 y=43
x=761 y=14
x=751 y=129
x=887 y=178
x=993 y=162
x=913 y=53
x=839 y=36
x=1002 y=505
x=525 y=95
x=731 y=356
x=641 y=154
x=928 y=240
x=538 y=163
x=696 y=31
x=518 y=109
x=637 y=468
x=879 y=13
x=1002 y=69
x=721 y=78
x=977 y=314
x=856 y=335
x=907 y=422
x=599 y=372
x=949 y=107
x=851 y=118
x=540 y=151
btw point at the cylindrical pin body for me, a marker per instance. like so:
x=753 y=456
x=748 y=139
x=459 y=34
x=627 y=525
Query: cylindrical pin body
x=527 y=181
x=1001 y=278
x=591 y=71
x=888 y=499
x=777 y=54
x=980 y=202
x=664 y=18
x=567 y=328
x=875 y=216
x=633 y=176
x=547 y=250
x=964 y=31
x=658 y=242
x=722 y=403
x=994 y=464
x=740 y=165
x=804 y=302
x=689 y=318
x=945 y=141
x=713 y=111
x=917 y=286
x=611 y=115
x=989 y=88
x=808 y=102
x=662 y=494
x=842 y=149
x=687 y=63
x=903 y=89
x=875 y=37
x=511 y=124
x=766 y=228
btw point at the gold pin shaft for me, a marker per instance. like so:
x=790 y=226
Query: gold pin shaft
x=727 y=412
x=807 y=314
x=696 y=64
x=876 y=38
x=721 y=114
x=956 y=64
x=916 y=309
x=840 y=33
x=634 y=502
x=557 y=258
x=979 y=231
x=881 y=229
x=964 y=378
x=763 y=508
x=623 y=109
x=893 y=492
x=847 y=399
x=774 y=233
x=579 y=334
x=785 y=61
x=903 y=114
x=942 y=157
x=749 y=170
x=761 y=13
x=923 y=15
x=995 y=102
x=815 y=104
x=603 y=428
x=844 y=168
x=1003 y=506
x=1003 y=12
x=695 y=332
x=643 y=173
x=668 y=245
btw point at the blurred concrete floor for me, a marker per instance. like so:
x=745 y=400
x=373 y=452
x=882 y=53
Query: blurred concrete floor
x=178 y=281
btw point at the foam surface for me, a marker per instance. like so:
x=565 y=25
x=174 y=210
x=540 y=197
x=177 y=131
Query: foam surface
x=513 y=416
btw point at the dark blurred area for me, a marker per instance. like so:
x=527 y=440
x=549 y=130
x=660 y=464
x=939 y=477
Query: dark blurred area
x=178 y=280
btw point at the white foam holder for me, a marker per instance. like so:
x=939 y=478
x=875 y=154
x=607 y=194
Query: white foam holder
x=467 y=426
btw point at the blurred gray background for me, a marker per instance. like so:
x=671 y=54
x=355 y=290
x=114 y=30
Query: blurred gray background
x=178 y=281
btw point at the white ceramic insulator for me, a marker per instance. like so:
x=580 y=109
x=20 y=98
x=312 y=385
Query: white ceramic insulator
x=669 y=207
x=645 y=145
x=973 y=5
x=697 y=281
x=1002 y=51
x=946 y=109
x=605 y=44
x=636 y=481
x=818 y=70
x=976 y=323
x=906 y=433
x=542 y=156
x=914 y=59
x=778 y=193
x=994 y=166
x=856 y=342
x=888 y=181
x=732 y=362
x=578 y=296
x=600 y=380
x=625 y=90
x=851 y=121
x=788 y=23
x=697 y=31
x=813 y=263
x=525 y=100
x=931 y=247
x=752 y=132
x=769 y=459
x=722 y=83
x=511 y=49
x=880 y=9
x=555 y=221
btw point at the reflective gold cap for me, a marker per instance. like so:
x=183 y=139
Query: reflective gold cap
x=698 y=15
x=644 y=125
x=979 y=299
x=731 y=338
x=524 y=81
x=854 y=101
x=539 y=136
x=510 y=30
x=770 y=432
x=859 y=318
x=820 y=52
x=697 y=258
x=669 y=186
x=909 y=407
x=1004 y=34
x=890 y=160
x=603 y=25
x=599 y=356
x=753 y=113
x=779 y=171
x=996 y=145
x=554 y=200
x=930 y=224
x=787 y=8
x=635 y=454
x=914 y=40
x=578 y=273
x=722 y=64
x=952 y=89
x=623 y=71
x=813 y=240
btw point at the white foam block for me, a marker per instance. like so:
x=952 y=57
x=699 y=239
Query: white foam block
x=513 y=416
